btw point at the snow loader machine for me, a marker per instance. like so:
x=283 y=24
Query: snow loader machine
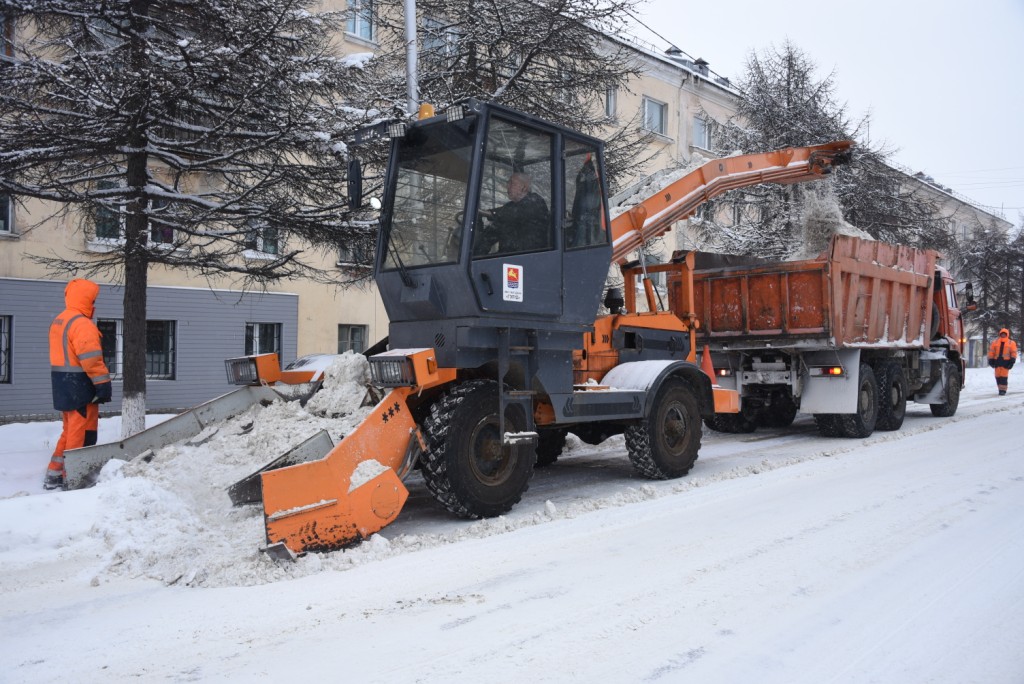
x=496 y=349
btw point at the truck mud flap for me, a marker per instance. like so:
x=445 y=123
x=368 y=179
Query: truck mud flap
x=82 y=466
x=249 y=490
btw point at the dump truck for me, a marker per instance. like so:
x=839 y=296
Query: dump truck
x=497 y=345
x=849 y=337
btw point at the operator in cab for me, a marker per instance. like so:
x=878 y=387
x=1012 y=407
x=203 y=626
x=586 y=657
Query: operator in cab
x=523 y=224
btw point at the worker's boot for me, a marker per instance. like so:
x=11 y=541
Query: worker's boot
x=54 y=480
x=1002 y=392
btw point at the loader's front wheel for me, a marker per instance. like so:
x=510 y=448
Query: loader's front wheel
x=467 y=467
x=665 y=444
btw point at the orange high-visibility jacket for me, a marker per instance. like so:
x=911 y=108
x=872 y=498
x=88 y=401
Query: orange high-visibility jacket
x=1003 y=351
x=76 y=357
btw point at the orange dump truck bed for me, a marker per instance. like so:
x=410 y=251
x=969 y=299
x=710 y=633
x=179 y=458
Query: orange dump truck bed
x=858 y=293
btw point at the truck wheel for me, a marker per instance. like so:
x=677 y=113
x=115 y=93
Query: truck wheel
x=892 y=396
x=862 y=423
x=549 y=446
x=828 y=424
x=467 y=467
x=731 y=423
x=950 y=398
x=665 y=444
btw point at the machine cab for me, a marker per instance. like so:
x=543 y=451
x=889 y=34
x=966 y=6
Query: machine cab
x=489 y=212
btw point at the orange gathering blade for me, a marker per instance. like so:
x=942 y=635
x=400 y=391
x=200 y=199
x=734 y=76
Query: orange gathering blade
x=312 y=507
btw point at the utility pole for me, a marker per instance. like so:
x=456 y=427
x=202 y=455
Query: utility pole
x=412 y=87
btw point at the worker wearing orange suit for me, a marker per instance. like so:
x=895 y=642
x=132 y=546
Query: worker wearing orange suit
x=1001 y=356
x=80 y=379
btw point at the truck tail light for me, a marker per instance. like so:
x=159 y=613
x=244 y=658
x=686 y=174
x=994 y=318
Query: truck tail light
x=828 y=371
x=723 y=372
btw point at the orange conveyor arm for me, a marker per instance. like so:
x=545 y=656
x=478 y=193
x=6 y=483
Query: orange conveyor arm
x=656 y=214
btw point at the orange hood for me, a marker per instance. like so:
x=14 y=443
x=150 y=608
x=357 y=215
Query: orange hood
x=1004 y=331
x=80 y=295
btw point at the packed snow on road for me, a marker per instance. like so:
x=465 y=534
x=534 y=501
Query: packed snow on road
x=782 y=557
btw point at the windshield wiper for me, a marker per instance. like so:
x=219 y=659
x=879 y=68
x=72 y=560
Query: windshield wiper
x=402 y=270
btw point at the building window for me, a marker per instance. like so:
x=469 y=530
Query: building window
x=355 y=255
x=262 y=338
x=6 y=324
x=655 y=116
x=438 y=37
x=360 y=19
x=160 y=233
x=262 y=238
x=6 y=214
x=160 y=348
x=701 y=133
x=6 y=36
x=109 y=222
x=351 y=338
x=611 y=103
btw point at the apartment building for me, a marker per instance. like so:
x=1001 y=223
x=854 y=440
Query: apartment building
x=194 y=325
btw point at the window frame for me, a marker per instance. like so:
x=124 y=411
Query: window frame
x=702 y=125
x=6 y=35
x=647 y=104
x=611 y=104
x=6 y=214
x=115 y=360
x=349 y=328
x=360 y=19
x=6 y=348
x=254 y=338
x=256 y=241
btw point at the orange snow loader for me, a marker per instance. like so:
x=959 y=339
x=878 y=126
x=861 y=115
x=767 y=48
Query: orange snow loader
x=497 y=348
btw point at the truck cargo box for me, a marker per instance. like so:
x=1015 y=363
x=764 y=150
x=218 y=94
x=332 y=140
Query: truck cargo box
x=857 y=293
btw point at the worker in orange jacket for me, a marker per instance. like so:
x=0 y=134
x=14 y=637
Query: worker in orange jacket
x=1001 y=356
x=80 y=379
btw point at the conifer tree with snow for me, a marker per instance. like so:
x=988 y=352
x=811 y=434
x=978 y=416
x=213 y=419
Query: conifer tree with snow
x=546 y=58
x=202 y=136
x=785 y=104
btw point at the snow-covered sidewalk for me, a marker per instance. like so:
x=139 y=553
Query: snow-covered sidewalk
x=783 y=557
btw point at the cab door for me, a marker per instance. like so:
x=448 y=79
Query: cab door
x=515 y=263
x=587 y=249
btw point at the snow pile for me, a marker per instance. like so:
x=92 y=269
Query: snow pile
x=344 y=389
x=166 y=515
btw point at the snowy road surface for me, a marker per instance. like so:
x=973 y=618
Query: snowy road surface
x=783 y=557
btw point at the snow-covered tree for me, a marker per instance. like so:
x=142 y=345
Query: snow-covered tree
x=545 y=57
x=784 y=104
x=205 y=136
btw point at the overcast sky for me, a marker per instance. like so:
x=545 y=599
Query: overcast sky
x=943 y=80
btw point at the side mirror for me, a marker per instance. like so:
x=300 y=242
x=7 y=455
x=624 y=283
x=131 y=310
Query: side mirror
x=969 y=297
x=355 y=184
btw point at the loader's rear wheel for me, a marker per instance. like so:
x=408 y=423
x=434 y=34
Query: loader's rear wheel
x=467 y=467
x=665 y=444
x=862 y=423
x=892 y=396
x=549 y=446
x=950 y=397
